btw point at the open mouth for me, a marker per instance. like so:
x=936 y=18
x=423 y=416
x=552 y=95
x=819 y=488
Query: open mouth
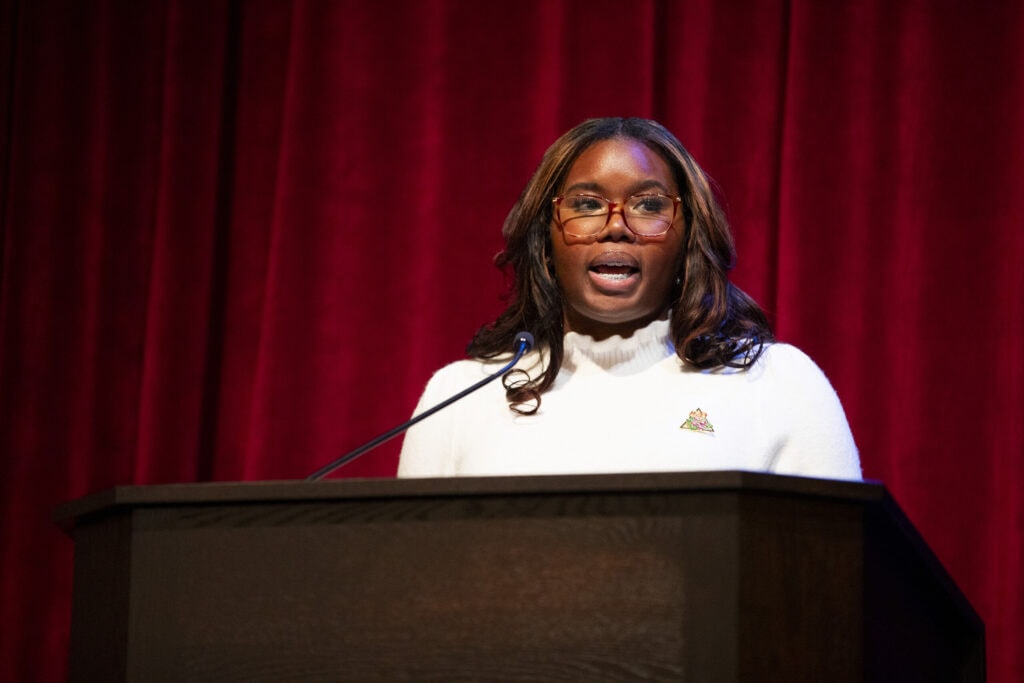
x=614 y=266
x=612 y=271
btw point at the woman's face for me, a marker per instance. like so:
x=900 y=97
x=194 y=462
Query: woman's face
x=616 y=282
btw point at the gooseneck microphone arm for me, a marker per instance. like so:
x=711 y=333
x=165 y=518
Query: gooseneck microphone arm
x=524 y=342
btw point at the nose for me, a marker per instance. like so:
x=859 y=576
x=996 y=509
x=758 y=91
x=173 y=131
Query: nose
x=615 y=229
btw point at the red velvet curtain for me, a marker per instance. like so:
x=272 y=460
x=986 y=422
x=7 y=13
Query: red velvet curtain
x=237 y=237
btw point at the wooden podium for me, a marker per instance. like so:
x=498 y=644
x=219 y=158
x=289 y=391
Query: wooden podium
x=707 y=576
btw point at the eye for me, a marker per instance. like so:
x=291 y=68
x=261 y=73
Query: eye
x=583 y=203
x=650 y=205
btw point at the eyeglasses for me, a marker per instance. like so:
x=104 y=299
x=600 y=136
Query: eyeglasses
x=585 y=215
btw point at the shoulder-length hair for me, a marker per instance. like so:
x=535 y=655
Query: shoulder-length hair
x=712 y=322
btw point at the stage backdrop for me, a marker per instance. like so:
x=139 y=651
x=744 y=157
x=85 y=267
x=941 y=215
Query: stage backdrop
x=238 y=237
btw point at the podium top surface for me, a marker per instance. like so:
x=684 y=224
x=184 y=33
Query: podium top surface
x=120 y=497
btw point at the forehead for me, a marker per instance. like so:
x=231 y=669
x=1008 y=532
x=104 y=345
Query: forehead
x=620 y=162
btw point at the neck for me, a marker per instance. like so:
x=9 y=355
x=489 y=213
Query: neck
x=600 y=330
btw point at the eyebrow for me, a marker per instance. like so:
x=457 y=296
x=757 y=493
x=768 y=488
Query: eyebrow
x=599 y=189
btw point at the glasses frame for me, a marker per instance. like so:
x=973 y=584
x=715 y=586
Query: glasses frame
x=557 y=203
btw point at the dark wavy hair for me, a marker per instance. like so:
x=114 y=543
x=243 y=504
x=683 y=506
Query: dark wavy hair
x=712 y=322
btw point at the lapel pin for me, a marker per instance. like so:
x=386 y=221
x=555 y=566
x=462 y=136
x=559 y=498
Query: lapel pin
x=698 y=422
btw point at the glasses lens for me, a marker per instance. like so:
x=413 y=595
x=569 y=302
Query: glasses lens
x=583 y=214
x=650 y=214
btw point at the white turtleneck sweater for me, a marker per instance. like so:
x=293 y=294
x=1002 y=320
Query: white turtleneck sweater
x=618 y=405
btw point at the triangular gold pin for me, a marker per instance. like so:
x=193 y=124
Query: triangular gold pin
x=698 y=422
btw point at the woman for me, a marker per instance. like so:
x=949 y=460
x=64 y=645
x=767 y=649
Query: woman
x=648 y=358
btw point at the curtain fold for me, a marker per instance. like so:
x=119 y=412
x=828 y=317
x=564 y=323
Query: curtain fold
x=238 y=237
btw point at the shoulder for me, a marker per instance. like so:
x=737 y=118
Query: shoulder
x=462 y=373
x=785 y=373
x=774 y=361
x=788 y=360
x=793 y=384
x=454 y=377
x=462 y=369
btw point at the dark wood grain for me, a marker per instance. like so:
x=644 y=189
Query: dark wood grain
x=704 y=577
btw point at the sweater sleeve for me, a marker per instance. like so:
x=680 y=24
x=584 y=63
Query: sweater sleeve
x=427 y=450
x=814 y=438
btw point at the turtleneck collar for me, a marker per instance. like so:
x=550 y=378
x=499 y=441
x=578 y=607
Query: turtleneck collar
x=646 y=347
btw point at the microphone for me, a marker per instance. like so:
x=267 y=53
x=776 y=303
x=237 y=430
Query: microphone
x=524 y=342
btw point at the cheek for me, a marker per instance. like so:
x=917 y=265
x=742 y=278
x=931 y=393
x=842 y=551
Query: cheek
x=664 y=273
x=661 y=288
x=565 y=274
x=668 y=261
x=563 y=258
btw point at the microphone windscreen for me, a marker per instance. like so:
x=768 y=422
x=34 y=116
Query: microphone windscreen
x=524 y=339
